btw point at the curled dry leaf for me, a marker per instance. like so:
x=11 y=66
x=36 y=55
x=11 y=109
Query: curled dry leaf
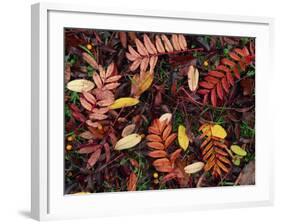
x=128 y=142
x=238 y=150
x=182 y=137
x=193 y=77
x=80 y=85
x=194 y=167
x=129 y=129
x=124 y=102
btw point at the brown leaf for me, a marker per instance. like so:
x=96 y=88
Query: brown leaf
x=123 y=39
x=167 y=43
x=152 y=63
x=99 y=117
x=86 y=104
x=89 y=149
x=175 y=42
x=107 y=152
x=247 y=175
x=156 y=145
x=141 y=48
x=170 y=140
x=149 y=45
x=182 y=42
x=129 y=129
x=193 y=78
x=133 y=53
x=67 y=72
x=111 y=86
x=134 y=163
x=135 y=64
x=94 y=158
x=175 y=155
x=132 y=182
x=97 y=80
x=168 y=177
x=153 y=138
x=86 y=135
x=89 y=97
x=159 y=44
x=157 y=154
x=163 y=165
x=167 y=131
x=90 y=60
x=247 y=86
x=144 y=64
x=104 y=103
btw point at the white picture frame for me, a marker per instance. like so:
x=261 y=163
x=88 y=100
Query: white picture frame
x=48 y=201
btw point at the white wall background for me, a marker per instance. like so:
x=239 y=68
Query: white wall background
x=15 y=110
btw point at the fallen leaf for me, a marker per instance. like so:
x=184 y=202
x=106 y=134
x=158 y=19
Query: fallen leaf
x=124 y=102
x=167 y=117
x=132 y=182
x=129 y=129
x=238 y=150
x=194 y=167
x=94 y=158
x=247 y=175
x=141 y=83
x=80 y=85
x=89 y=149
x=128 y=142
x=218 y=131
x=163 y=165
x=87 y=135
x=182 y=137
x=193 y=77
x=157 y=154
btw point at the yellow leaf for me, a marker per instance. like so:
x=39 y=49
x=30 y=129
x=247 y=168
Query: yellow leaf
x=128 y=142
x=80 y=85
x=124 y=102
x=142 y=83
x=182 y=138
x=193 y=77
x=194 y=167
x=238 y=150
x=218 y=131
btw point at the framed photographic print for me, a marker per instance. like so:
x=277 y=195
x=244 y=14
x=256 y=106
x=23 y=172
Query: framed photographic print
x=148 y=111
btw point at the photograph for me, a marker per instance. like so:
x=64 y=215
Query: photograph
x=157 y=111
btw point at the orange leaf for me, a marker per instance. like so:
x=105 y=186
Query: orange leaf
x=157 y=154
x=170 y=140
x=132 y=182
x=163 y=165
x=156 y=145
x=153 y=138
